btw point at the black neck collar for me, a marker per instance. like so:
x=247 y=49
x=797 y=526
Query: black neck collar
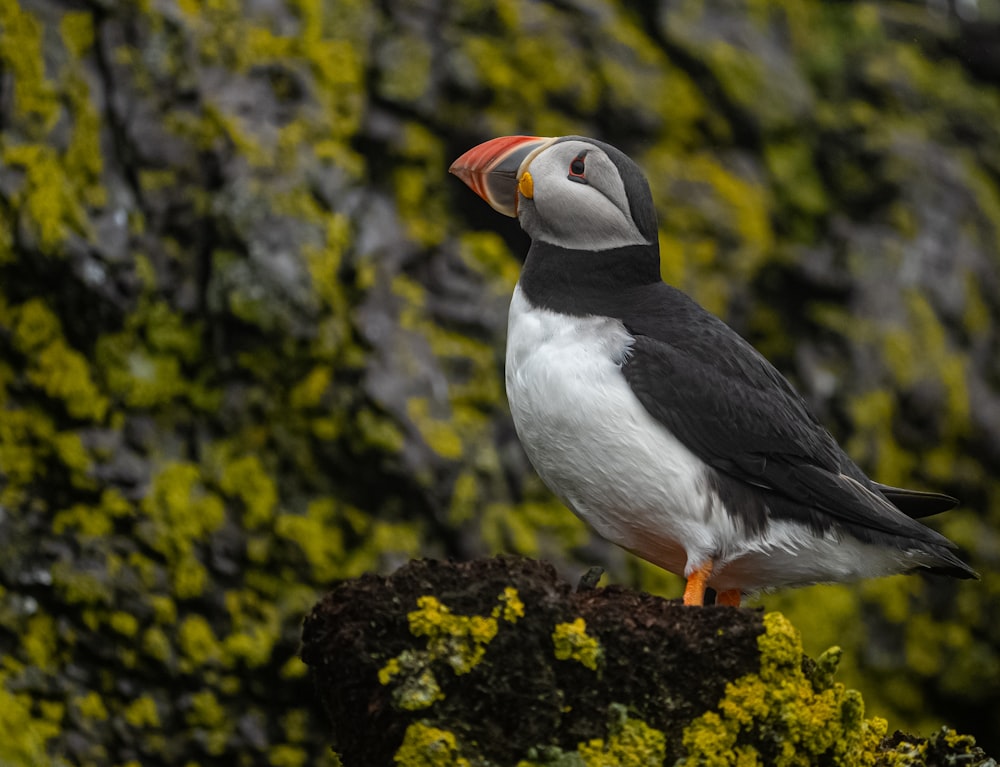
x=582 y=282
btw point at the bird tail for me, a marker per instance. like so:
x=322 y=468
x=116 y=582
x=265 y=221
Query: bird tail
x=916 y=504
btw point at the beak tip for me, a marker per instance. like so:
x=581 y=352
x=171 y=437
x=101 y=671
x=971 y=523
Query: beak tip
x=489 y=169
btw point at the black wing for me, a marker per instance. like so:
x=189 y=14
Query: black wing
x=735 y=411
x=916 y=503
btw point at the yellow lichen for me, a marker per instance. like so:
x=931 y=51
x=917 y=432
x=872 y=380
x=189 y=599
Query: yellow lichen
x=55 y=368
x=91 y=706
x=26 y=734
x=630 y=743
x=21 y=54
x=572 y=642
x=511 y=607
x=40 y=642
x=156 y=644
x=458 y=640
x=246 y=478
x=124 y=623
x=142 y=712
x=417 y=687
x=427 y=746
x=286 y=755
x=778 y=717
x=205 y=710
x=180 y=511
x=198 y=642
x=439 y=433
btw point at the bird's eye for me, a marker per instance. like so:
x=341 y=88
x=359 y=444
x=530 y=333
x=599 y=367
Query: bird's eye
x=578 y=169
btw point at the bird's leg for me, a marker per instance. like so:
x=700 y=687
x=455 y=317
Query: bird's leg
x=694 y=592
x=730 y=598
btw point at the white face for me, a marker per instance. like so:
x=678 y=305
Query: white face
x=578 y=200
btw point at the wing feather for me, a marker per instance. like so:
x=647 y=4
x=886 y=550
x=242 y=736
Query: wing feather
x=740 y=416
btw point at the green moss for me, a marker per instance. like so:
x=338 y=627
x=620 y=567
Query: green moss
x=781 y=717
x=512 y=607
x=124 y=623
x=324 y=262
x=26 y=438
x=244 y=477
x=255 y=629
x=40 y=642
x=21 y=54
x=61 y=372
x=464 y=498
x=86 y=520
x=180 y=512
x=142 y=712
x=415 y=686
x=143 y=364
x=91 y=706
x=793 y=170
x=317 y=535
x=164 y=609
x=320 y=534
x=378 y=431
x=740 y=73
x=717 y=220
x=439 y=433
x=407 y=77
x=26 y=735
x=457 y=641
x=528 y=528
x=156 y=644
x=83 y=161
x=285 y=755
x=198 y=643
x=210 y=718
x=76 y=29
x=47 y=199
x=294 y=668
x=78 y=587
x=630 y=743
x=487 y=254
x=427 y=746
x=572 y=642
x=874 y=446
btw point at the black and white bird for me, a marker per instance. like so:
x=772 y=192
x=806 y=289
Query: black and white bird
x=654 y=421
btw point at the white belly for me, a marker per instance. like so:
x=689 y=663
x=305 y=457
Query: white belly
x=595 y=445
x=597 y=448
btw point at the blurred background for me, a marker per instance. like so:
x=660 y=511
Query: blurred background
x=251 y=332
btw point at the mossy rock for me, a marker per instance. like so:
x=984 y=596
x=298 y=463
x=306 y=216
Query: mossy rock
x=499 y=662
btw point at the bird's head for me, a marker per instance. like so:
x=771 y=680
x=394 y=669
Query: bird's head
x=574 y=192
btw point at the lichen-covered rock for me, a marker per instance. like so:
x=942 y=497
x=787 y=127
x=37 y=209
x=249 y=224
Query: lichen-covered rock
x=499 y=663
x=250 y=330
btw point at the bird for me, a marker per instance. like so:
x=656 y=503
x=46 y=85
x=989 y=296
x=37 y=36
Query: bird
x=660 y=426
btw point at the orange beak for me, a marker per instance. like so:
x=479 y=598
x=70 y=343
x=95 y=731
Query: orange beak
x=493 y=169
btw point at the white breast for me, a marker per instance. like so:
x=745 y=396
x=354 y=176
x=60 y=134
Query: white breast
x=597 y=448
x=594 y=444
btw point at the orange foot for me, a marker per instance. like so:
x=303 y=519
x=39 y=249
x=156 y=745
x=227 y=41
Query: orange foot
x=730 y=598
x=694 y=591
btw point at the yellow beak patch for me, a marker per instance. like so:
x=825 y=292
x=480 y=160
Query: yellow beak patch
x=525 y=185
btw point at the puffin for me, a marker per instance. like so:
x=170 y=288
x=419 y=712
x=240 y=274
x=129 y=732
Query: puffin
x=653 y=420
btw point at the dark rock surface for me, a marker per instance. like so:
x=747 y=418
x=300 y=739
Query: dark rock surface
x=424 y=664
